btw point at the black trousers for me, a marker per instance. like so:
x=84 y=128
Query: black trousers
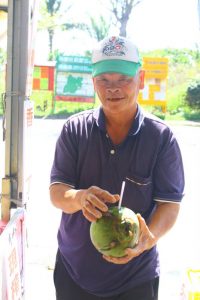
x=67 y=289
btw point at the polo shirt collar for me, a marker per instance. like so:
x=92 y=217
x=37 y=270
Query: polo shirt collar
x=99 y=117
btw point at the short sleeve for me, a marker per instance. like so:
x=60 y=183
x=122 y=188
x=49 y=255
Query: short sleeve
x=169 y=173
x=64 y=164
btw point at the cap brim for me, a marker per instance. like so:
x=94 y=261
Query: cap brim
x=115 y=66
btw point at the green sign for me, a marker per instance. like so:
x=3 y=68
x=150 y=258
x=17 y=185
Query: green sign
x=78 y=64
x=73 y=79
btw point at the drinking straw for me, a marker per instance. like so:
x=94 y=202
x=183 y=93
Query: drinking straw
x=121 y=194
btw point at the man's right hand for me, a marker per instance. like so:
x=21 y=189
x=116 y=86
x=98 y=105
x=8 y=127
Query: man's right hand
x=93 y=202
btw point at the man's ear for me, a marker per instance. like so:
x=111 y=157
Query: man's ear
x=142 y=75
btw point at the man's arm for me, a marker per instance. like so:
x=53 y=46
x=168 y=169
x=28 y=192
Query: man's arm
x=163 y=218
x=91 y=201
x=65 y=197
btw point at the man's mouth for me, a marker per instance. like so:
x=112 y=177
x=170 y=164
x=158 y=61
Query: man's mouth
x=115 y=99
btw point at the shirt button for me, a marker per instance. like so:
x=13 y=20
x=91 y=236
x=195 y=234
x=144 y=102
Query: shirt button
x=112 y=151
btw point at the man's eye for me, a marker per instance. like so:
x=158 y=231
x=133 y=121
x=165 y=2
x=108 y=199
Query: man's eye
x=102 y=81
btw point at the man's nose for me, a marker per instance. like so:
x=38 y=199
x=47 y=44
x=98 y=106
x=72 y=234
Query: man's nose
x=113 y=89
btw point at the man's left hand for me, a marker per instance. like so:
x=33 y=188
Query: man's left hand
x=146 y=242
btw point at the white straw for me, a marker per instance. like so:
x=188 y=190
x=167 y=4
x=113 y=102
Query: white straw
x=121 y=194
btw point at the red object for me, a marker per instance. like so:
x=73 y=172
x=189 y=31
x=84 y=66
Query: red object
x=51 y=78
x=2 y=226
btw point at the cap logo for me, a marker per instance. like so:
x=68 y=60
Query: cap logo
x=114 y=47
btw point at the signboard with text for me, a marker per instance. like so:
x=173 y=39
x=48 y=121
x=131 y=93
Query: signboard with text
x=73 y=79
x=155 y=85
x=12 y=246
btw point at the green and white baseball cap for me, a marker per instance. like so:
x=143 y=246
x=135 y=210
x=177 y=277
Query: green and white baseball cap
x=115 y=54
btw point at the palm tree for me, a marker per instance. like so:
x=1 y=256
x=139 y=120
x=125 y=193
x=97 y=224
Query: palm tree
x=53 y=7
x=97 y=28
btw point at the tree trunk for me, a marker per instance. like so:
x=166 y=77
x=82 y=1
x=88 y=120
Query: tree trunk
x=123 y=25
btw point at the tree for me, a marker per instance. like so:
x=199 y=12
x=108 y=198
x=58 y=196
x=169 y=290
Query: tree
x=97 y=28
x=53 y=7
x=50 y=20
x=192 y=97
x=121 y=10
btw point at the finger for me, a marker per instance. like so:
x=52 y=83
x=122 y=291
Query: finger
x=88 y=216
x=107 y=197
x=143 y=225
x=117 y=260
x=141 y=219
x=92 y=210
x=104 y=195
x=96 y=202
x=131 y=253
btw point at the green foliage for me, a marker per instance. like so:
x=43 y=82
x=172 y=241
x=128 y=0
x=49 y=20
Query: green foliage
x=176 y=56
x=96 y=29
x=184 y=67
x=53 y=6
x=192 y=97
x=99 y=28
x=50 y=20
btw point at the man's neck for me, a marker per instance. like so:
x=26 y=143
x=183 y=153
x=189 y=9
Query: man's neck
x=122 y=118
x=118 y=125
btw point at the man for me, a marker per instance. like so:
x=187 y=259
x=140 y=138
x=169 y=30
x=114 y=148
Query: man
x=96 y=151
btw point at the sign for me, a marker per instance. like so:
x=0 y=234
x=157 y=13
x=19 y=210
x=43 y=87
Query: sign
x=73 y=79
x=190 y=289
x=154 y=92
x=12 y=245
x=43 y=78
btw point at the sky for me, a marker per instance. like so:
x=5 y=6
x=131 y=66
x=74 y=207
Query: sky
x=154 y=24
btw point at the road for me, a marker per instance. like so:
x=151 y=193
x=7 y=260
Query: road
x=179 y=249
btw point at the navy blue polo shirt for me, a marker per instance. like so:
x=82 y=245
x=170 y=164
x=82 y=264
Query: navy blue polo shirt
x=149 y=161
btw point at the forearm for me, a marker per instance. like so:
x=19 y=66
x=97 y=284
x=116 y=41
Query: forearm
x=91 y=201
x=66 y=198
x=163 y=219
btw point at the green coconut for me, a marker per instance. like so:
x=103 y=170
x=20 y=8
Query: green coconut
x=115 y=231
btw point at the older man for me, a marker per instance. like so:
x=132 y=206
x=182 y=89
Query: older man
x=96 y=151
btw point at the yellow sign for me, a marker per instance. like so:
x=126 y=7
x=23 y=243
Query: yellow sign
x=190 y=289
x=154 y=92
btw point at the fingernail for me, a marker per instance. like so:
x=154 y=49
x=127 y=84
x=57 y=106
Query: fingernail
x=99 y=215
x=104 y=208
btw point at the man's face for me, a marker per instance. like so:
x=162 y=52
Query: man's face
x=117 y=92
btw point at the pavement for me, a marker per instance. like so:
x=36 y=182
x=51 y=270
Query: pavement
x=179 y=249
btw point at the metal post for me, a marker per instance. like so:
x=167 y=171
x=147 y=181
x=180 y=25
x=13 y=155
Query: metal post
x=19 y=15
